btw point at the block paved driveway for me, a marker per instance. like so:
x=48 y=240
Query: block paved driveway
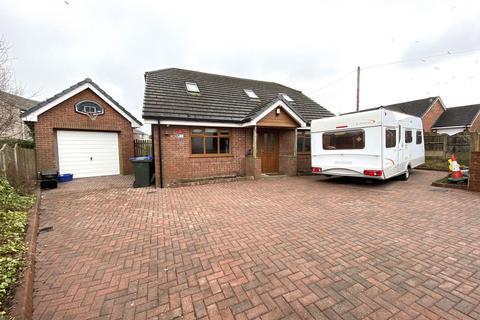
x=290 y=248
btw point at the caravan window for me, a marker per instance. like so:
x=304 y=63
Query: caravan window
x=344 y=140
x=419 y=136
x=390 y=138
x=408 y=136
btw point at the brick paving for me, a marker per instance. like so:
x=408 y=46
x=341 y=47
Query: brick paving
x=293 y=248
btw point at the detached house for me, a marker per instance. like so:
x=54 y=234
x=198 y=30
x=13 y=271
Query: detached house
x=459 y=119
x=212 y=126
x=11 y=109
x=428 y=109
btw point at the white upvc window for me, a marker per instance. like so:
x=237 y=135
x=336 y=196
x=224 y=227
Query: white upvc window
x=250 y=93
x=192 y=87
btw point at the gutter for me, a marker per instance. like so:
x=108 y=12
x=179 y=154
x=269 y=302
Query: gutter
x=160 y=153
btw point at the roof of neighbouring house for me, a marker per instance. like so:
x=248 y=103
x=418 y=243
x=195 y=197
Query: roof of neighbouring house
x=416 y=108
x=220 y=98
x=16 y=101
x=136 y=131
x=72 y=88
x=458 y=116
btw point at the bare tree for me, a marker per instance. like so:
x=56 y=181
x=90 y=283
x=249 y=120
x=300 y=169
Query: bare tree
x=11 y=125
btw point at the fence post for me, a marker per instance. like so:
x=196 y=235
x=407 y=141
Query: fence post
x=475 y=142
x=15 y=158
x=3 y=161
x=445 y=145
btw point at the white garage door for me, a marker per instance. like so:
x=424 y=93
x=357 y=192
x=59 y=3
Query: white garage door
x=88 y=153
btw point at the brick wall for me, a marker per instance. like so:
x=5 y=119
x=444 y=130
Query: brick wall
x=178 y=164
x=304 y=163
x=474 y=179
x=476 y=124
x=63 y=116
x=288 y=160
x=429 y=119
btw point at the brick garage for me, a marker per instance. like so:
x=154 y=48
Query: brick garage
x=59 y=113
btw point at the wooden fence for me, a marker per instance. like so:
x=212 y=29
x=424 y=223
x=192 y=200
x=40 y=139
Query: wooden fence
x=18 y=164
x=142 y=148
x=439 y=148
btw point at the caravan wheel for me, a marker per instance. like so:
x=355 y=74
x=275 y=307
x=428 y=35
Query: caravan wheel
x=406 y=175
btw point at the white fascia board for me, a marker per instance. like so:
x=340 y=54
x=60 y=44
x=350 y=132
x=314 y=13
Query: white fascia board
x=194 y=123
x=452 y=127
x=33 y=117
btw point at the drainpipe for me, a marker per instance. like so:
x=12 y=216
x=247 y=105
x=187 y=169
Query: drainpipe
x=254 y=147
x=160 y=153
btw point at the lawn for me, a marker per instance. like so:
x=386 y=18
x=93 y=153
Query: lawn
x=13 y=221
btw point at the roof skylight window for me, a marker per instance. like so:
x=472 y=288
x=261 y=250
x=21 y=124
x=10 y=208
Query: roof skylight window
x=286 y=97
x=250 y=93
x=192 y=87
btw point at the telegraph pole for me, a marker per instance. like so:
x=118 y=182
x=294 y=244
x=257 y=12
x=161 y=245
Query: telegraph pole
x=358 y=88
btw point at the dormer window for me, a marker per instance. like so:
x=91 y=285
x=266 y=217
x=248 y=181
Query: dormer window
x=286 y=97
x=192 y=87
x=250 y=93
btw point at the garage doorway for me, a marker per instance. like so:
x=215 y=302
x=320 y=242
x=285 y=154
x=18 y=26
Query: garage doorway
x=88 y=153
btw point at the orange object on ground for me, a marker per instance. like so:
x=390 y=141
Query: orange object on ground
x=455 y=168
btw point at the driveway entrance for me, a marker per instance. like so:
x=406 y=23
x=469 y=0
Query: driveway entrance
x=296 y=248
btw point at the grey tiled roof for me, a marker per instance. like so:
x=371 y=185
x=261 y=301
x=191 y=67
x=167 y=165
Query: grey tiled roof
x=415 y=108
x=79 y=84
x=221 y=98
x=458 y=116
x=21 y=103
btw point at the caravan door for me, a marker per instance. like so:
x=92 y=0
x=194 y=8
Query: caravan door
x=401 y=148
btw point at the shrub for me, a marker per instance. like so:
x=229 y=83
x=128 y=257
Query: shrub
x=28 y=144
x=10 y=200
x=13 y=221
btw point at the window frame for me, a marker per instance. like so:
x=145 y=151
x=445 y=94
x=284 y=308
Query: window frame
x=361 y=130
x=287 y=97
x=395 y=135
x=191 y=85
x=303 y=135
x=416 y=136
x=251 y=94
x=204 y=136
x=411 y=135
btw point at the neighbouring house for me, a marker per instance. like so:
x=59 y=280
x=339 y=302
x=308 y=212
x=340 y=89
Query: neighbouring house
x=84 y=131
x=11 y=109
x=214 y=126
x=428 y=109
x=140 y=135
x=459 y=119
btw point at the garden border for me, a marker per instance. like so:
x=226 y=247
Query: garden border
x=23 y=303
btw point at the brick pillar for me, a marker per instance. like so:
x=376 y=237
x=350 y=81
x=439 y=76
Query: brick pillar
x=474 y=179
x=156 y=151
x=253 y=167
x=288 y=157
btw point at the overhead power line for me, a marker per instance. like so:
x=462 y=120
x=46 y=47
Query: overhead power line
x=422 y=59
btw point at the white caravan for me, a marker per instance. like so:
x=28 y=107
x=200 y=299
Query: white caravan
x=378 y=144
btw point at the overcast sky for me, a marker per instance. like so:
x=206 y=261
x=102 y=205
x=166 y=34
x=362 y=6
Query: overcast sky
x=303 y=44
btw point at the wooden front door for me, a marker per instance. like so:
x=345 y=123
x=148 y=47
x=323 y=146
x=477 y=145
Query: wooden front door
x=268 y=150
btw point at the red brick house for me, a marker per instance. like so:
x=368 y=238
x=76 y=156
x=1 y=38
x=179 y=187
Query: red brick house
x=208 y=126
x=459 y=119
x=83 y=131
x=428 y=109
